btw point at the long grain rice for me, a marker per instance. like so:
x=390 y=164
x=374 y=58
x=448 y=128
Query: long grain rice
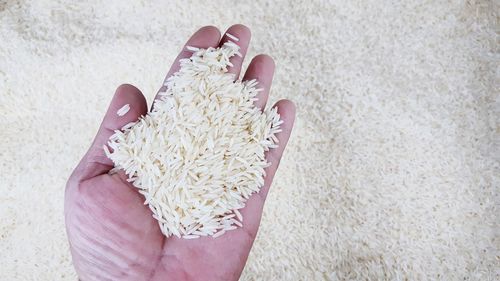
x=123 y=110
x=199 y=154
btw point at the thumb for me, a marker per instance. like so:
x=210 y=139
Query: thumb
x=95 y=162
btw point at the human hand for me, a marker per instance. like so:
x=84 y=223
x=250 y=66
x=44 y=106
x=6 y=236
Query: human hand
x=113 y=236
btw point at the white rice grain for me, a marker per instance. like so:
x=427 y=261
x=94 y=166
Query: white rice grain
x=238 y=215
x=123 y=110
x=192 y=49
x=232 y=37
x=220 y=233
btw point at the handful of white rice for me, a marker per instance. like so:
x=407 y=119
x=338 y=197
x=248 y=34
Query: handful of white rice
x=199 y=154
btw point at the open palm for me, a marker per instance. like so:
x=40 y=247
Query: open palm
x=113 y=236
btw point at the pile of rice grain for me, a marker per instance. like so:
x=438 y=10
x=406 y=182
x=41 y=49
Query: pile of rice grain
x=199 y=154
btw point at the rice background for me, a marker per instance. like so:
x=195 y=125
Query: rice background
x=393 y=168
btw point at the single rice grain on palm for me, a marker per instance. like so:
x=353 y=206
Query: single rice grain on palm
x=199 y=155
x=123 y=110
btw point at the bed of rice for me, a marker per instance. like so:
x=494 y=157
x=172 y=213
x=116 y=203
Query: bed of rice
x=392 y=170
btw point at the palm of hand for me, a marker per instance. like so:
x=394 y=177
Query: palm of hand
x=113 y=235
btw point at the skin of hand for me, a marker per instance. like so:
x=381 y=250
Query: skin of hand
x=113 y=235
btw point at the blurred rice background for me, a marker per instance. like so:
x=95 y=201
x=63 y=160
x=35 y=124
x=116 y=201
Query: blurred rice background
x=393 y=167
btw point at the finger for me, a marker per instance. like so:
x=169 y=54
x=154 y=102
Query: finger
x=261 y=68
x=205 y=37
x=95 y=161
x=286 y=110
x=253 y=208
x=242 y=34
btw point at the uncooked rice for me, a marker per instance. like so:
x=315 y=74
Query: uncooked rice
x=192 y=49
x=123 y=110
x=200 y=153
x=232 y=37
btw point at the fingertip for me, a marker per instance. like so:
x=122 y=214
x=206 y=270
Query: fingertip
x=131 y=95
x=240 y=29
x=127 y=87
x=264 y=59
x=261 y=68
x=240 y=35
x=127 y=105
x=286 y=108
x=207 y=32
x=127 y=91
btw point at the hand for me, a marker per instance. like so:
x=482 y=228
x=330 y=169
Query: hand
x=113 y=236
